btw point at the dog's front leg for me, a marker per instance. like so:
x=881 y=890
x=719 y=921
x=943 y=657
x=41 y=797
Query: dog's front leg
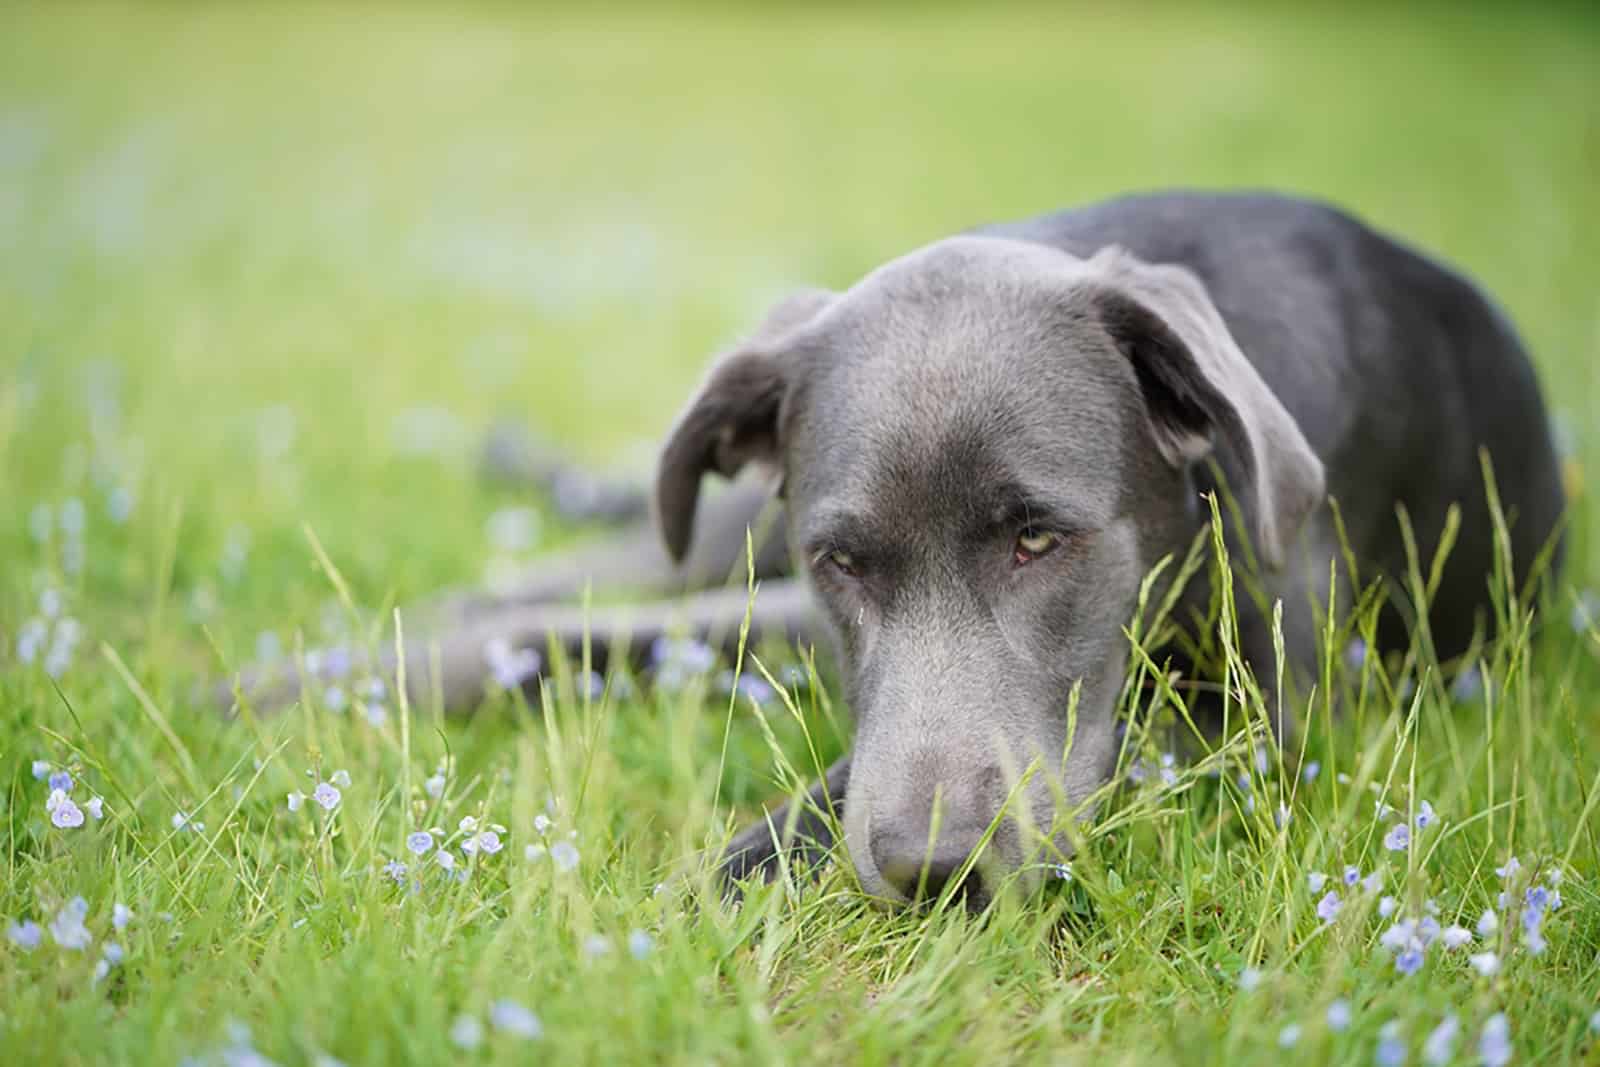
x=806 y=834
x=460 y=663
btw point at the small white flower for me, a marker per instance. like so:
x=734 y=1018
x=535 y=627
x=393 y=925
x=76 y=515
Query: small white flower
x=419 y=842
x=1439 y=1048
x=445 y=858
x=466 y=1032
x=1289 y=1036
x=534 y=852
x=340 y=778
x=1456 y=936
x=41 y=770
x=181 y=820
x=1249 y=979
x=121 y=916
x=96 y=807
x=1373 y=882
x=512 y=1018
x=1488 y=923
x=1485 y=963
x=489 y=842
x=1315 y=881
x=1494 y=1044
x=596 y=945
x=26 y=935
x=641 y=943
x=434 y=786
x=296 y=800
x=542 y=823
x=326 y=795
x=1339 y=1015
x=565 y=855
x=1387 y=906
x=468 y=824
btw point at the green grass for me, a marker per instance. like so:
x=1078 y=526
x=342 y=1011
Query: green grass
x=237 y=244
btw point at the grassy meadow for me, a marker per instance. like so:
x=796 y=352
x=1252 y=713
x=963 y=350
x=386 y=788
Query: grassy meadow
x=268 y=274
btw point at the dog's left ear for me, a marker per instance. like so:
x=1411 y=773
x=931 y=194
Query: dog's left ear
x=734 y=419
x=1196 y=382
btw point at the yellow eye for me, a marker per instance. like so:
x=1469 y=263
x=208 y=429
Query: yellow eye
x=841 y=559
x=1031 y=544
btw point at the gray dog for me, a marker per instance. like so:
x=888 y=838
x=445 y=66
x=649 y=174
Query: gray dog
x=982 y=448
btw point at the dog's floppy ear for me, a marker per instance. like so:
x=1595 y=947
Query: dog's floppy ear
x=733 y=419
x=1196 y=382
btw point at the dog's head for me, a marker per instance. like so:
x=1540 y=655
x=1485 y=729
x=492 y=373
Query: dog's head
x=984 y=446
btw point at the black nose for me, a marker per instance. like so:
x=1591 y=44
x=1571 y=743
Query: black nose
x=922 y=872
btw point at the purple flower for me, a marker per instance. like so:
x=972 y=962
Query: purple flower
x=1339 y=1015
x=1328 y=907
x=640 y=944
x=1509 y=871
x=296 y=799
x=1352 y=875
x=41 y=770
x=466 y=1032
x=26 y=935
x=1373 y=882
x=420 y=842
x=1355 y=654
x=64 y=814
x=1398 y=839
x=340 y=778
x=489 y=842
x=396 y=871
x=1440 y=1047
x=1485 y=963
x=1315 y=881
x=1494 y=1044
x=1533 y=940
x=1289 y=1036
x=96 y=807
x=1249 y=979
x=1409 y=961
x=1310 y=771
x=511 y=667
x=1391 y=1045
x=1537 y=898
x=564 y=854
x=1387 y=906
x=1427 y=930
x=1455 y=937
x=327 y=795
x=1425 y=816
x=1399 y=936
x=512 y=1018
x=61 y=780
x=120 y=916
x=1488 y=923
x=67 y=927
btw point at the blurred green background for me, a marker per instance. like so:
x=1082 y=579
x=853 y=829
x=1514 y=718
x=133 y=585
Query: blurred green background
x=265 y=265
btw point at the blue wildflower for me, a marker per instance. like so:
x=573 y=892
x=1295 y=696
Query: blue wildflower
x=640 y=944
x=1455 y=937
x=1425 y=816
x=511 y=667
x=1510 y=869
x=564 y=854
x=419 y=842
x=1391 y=1045
x=96 y=807
x=41 y=770
x=396 y=871
x=512 y=1018
x=1409 y=961
x=1310 y=771
x=1387 y=906
x=1398 y=839
x=1328 y=907
x=1339 y=1015
x=1440 y=1046
x=1315 y=881
x=26 y=935
x=1494 y=1044
x=67 y=927
x=1289 y=1036
x=1352 y=875
x=121 y=916
x=1249 y=979
x=61 y=780
x=326 y=795
x=1373 y=882
x=466 y=1033
x=64 y=814
x=1485 y=963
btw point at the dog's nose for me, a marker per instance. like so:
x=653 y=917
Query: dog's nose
x=919 y=870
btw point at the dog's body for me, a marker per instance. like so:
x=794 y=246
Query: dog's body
x=985 y=446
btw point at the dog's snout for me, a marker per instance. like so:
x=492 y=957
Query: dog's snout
x=920 y=869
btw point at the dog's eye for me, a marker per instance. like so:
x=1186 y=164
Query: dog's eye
x=840 y=560
x=1032 y=544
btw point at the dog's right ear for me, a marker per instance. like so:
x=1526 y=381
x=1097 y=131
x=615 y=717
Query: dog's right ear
x=733 y=419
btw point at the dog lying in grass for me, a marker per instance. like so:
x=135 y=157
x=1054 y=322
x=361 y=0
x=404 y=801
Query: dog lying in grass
x=980 y=451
